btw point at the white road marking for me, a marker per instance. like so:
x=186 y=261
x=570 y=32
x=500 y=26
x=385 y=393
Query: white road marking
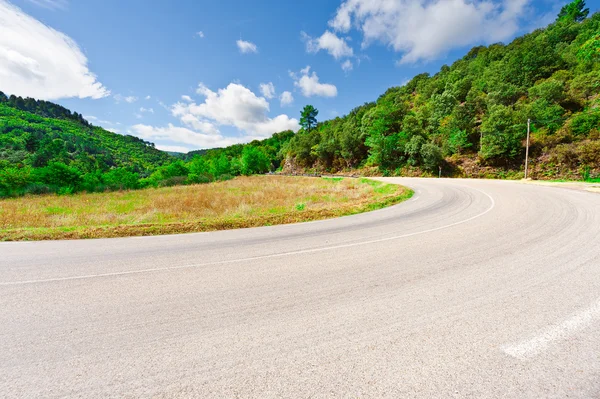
x=290 y=253
x=528 y=349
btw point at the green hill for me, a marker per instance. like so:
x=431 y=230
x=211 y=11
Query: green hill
x=471 y=117
x=50 y=149
x=44 y=148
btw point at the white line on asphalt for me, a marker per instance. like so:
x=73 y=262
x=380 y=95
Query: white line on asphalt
x=528 y=349
x=291 y=253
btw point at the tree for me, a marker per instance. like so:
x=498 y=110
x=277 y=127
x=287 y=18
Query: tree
x=590 y=50
x=254 y=161
x=574 y=11
x=308 y=117
x=431 y=156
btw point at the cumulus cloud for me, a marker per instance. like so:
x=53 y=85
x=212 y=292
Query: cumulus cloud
x=200 y=34
x=235 y=106
x=147 y=110
x=246 y=47
x=187 y=98
x=40 y=62
x=267 y=90
x=183 y=137
x=330 y=42
x=310 y=86
x=147 y=98
x=426 y=30
x=286 y=98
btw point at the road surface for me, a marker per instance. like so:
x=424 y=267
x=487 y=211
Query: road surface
x=470 y=289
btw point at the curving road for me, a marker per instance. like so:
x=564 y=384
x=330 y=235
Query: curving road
x=470 y=289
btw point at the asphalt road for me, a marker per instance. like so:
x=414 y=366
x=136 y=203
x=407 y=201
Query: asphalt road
x=470 y=289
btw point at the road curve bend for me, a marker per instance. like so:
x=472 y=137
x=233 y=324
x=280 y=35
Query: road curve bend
x=469 y=289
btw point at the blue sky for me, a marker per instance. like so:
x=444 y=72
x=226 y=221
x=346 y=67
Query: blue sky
x=197 y=74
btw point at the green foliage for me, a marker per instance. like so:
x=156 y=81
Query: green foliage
x=120 y=179
x=590 y=50
x=458 y=141
x=254 y=161
x=61 y=152
x=58 y=175
x=574 y=12
x=431 y=156
x=583 y=123
x=308 y=117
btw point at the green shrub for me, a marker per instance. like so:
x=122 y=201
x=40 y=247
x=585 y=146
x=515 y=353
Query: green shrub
x=583 y=123
x=431 y=155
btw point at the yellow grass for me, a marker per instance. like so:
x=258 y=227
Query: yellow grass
x=242 y=202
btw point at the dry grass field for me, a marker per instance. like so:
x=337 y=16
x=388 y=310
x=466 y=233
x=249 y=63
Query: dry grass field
x=241 y=202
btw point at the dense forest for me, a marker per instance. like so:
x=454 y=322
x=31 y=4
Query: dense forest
x=469 y=119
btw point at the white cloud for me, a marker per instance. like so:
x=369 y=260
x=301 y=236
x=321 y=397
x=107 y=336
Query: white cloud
x=38 y=61
x=182 y=137
x=129 y=99
x=347 y=66
x=111 y=129
x=173 y=148
x=198 y=124
x=235 y=106
x=147 y=110
x=138 y=116
x=286 y=98
x=200 y=34
x=50 y=4
x=96 y=120
x=426 y=30
x=310 y=86
x=187 y=98
x=335 y=46
x=246 y=47
x=267 y=90
x=147 y=98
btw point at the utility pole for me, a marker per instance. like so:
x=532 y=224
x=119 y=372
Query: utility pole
x=480 y=139
x=527 y=149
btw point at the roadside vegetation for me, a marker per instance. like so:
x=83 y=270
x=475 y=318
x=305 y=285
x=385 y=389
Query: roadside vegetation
x=241 y=202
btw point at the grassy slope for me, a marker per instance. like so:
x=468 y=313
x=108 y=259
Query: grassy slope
x=242 y=202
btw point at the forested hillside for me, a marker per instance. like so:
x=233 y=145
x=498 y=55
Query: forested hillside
x=44 y=148
x=471 y=117
x=41 y=154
